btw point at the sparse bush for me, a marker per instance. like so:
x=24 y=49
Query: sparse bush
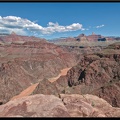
x=93 y=104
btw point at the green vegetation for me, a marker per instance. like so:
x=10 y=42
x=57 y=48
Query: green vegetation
x=93 y=104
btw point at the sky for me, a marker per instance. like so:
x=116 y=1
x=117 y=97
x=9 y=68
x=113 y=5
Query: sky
x=60 y=19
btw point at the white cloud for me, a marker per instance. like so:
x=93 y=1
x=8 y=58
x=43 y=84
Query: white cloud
x=100 y=26
x=20 y=26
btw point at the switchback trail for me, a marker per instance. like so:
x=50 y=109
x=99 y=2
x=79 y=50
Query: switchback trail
x=31 y=88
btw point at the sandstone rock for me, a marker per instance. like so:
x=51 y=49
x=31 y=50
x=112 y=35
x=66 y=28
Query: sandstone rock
x=88 y=106
x=34 y=106
x=70 y=105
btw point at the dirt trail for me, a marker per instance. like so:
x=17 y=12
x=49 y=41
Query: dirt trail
x=63 y=73
x=26 y=92
x=31 y=88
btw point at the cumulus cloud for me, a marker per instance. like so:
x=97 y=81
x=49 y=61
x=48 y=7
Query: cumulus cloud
x=100 y=26
x=20 y=26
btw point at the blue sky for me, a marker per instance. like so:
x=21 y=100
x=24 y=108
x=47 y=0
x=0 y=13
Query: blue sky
x=61 y=19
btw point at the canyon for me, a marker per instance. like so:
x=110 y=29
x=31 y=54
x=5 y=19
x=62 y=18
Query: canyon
x=70 y=80
x=28 y=62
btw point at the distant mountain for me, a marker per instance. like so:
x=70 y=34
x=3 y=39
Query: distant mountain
x=83 y=37
x=13 y=37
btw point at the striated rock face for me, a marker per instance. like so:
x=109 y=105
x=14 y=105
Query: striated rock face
x=84 y=38
x=94 y=37
x=93 y=68
x=40 y=105
x=97 y=74
x=13 y=37
x=100 y=76
x=23 y=64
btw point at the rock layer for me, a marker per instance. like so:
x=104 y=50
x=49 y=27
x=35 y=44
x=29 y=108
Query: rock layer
x=28 y=62
x=97 y=74
x=40 y=105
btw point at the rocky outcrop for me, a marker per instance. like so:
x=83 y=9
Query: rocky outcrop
x=95 y=66
x=34 y=106
x=40 y=105
x=51 y=86
x=97 y=74
x=88 y=106
x=47 y=88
